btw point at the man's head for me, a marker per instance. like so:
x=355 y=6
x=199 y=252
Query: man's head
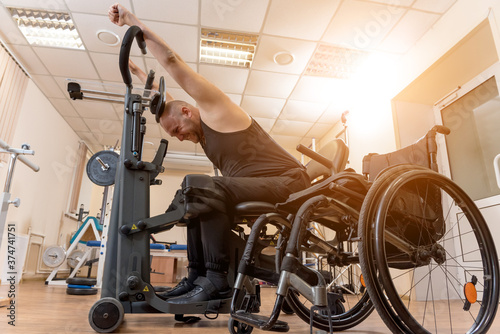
x=182 y=120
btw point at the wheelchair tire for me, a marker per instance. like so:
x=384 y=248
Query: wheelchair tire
x=454 y=270
x=366 y=247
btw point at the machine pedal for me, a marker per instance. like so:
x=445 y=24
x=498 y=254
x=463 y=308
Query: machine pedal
x=258 y=321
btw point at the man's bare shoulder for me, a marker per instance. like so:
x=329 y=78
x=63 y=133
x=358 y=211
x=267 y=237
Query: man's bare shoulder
x=226 y=117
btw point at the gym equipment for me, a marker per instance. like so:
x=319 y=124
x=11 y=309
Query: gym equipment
x=101 y=168
x=5 y=201
x=81 y=286
x=15 y=154
x=126 y=284
x=54 y=256
x=416 y=263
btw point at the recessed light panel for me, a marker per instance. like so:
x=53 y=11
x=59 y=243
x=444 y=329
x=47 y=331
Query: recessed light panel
x=227 y=48
x=47 y=28
x=335 y=62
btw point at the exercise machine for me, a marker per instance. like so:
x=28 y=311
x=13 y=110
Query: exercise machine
x=5 y=201
x=126 y=284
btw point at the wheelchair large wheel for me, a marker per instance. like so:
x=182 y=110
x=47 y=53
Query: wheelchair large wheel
x=367 y=261
x=344 y=281
x=436 y=258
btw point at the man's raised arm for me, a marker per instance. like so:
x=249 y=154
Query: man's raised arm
x=215 y=105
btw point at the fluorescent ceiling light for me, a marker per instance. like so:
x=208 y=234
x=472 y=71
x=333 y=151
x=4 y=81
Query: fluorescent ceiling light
x=335 y=62
x=227 y=48
x=47 y=28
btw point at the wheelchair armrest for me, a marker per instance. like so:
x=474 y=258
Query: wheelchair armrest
x=253 y=208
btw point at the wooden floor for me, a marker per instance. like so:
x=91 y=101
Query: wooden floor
x=48 y=309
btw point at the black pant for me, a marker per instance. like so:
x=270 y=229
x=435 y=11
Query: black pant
x=208 y=235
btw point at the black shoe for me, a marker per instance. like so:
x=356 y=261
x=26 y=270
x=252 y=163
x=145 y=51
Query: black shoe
x=203 y=291
x=180 y=289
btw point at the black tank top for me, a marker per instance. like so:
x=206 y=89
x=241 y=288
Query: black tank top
x=249 y=152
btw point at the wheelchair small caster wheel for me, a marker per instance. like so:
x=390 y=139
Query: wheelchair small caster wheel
x=106 y=315
x=236 y=327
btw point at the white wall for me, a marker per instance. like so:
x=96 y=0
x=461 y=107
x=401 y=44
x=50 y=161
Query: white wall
x=44 y=195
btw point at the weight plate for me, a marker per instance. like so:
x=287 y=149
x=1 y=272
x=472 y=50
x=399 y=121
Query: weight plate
x=81 y=281
x=75 y=291
x=101 y=168
x=54 y=256
x=158 y=103
x=75 y=257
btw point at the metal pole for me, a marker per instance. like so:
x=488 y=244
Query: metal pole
x=10 y=172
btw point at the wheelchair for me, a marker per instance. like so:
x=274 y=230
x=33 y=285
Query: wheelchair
x=391 y=240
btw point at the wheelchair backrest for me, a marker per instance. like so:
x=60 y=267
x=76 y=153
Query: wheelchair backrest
x=336 y=151
x=422 y=153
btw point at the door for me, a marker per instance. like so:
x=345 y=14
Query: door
x=467 y=154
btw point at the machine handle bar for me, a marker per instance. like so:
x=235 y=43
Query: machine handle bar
x=132 y=32
x=315 y=156
x=16 y=151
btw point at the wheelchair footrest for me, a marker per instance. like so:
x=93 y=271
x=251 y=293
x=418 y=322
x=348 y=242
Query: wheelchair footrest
x=259 y=321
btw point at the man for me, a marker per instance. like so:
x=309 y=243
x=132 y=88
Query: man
x=253 y=165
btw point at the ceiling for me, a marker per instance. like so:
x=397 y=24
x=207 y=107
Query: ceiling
x=291 y=106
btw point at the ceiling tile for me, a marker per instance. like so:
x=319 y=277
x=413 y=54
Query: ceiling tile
x=153 y=130
x=108 y=67
x=266 y=123
x=318 y=130
x=109 y=139
x=185 y=12
x=303 y=111
x=362 y=25
x=269 y=84
x=77 y=124
x=37 y=4
x=48 y=86
x=439 y=6
x=299 y=19
x=104 y=126
x=175 y=145
x=244 y=16
x=270 y=46
x=64 y=107
x=318 y=90
x=267 y=107
x=152 y=64
x=28 y=59
x=96 y=110
x=290 y=128
x=179 y=94
x=399 y=3
x=408 y=31
x=183 y=39
x=88 y=137
x=332 y=114
x=94 y=6
x=67 y=63
x=228 y=79
x=88 y=25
